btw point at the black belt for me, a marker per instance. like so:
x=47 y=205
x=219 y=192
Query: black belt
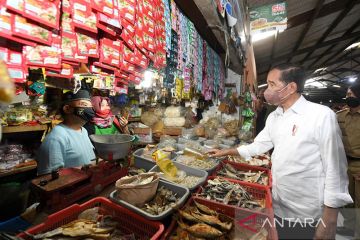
x=353 y=158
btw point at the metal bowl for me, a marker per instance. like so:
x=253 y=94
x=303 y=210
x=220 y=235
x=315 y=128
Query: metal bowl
x=112 y=147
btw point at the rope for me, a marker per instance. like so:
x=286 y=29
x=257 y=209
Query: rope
x=226 y=36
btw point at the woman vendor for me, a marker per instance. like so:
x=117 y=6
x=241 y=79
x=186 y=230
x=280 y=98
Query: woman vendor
x=105 y=122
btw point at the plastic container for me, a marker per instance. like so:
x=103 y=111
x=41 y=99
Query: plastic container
x=245 y=167
x=224 y=146
x=129 y=222
x=208 y=170
x=189 y=172
x=180 y=191
x=259 y=192
x=228 y=142
x=236 y=214
x=211 y=144
x=146 y=163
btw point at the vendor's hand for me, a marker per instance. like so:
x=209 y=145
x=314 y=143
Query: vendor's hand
x=223 y=152
x=326 y=228
x=123 y=121
x=216 y=153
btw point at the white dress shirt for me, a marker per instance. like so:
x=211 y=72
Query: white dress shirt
x=309 y=166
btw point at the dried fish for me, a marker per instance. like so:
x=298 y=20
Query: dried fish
x=193 y=224
x=205 y=209
x=106 y=228
x=227 y=192
x=139 y=180
x=132 y=171
x=260 y=161
x=201 y=230
x=192 y=161
x=163 y=200
x=184 y=180
x=251 y=176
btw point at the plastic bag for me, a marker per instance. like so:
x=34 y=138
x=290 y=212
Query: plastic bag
x=232 y=127
x=174 y=122
x=188 y=133
x=172 y=112
x=199 y=130
x=136 y=190
x=149 y=118
x=165 y=164
x=245 y=135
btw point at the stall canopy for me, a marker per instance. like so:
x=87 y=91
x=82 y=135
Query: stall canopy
x=321 y=35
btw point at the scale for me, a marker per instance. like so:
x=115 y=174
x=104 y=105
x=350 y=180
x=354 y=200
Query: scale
x=72 y=184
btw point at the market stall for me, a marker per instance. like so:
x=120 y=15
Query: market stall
x=153 y=93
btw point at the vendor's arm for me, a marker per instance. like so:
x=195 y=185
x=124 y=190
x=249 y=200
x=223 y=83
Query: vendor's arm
x=333 y=158
x=262 y=143
x=50 y=156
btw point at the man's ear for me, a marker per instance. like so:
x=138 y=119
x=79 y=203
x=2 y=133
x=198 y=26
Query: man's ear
x=67 y=109
x=293 y=86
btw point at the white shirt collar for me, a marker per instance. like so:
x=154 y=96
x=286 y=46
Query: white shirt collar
x=298 y=107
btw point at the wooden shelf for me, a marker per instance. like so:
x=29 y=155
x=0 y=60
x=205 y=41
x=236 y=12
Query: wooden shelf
x=21 y=168
x=135 y=119
x=16 y=129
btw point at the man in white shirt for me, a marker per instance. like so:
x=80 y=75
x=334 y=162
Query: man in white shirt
x=308 y=162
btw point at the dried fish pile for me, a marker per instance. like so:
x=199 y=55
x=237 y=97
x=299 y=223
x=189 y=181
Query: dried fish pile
x=199 y=221
x=260 y=161
x=132 y=171
x=187 y=181
x=229 y=171
x=163 y=200
x=89 y=225
x=192 y=161
x=227 y=192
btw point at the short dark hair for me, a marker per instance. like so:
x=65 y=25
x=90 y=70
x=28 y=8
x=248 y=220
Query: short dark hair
x=292 y=73
x=355 y=89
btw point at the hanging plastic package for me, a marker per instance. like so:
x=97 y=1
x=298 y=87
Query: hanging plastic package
x=165 y=164
x=7 y=90
x=229 y=15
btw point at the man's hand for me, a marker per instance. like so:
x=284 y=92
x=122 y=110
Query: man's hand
x=223 y=152
x=327 y=228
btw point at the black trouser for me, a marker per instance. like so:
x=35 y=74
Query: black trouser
x=291 y=230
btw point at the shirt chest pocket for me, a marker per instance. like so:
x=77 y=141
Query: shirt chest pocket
x=300 y=131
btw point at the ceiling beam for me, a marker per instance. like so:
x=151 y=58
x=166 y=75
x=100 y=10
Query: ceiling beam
x=350 y=30
x=339 y=18
x=340 y=59
x=356 y=61
x=314 y=15
x=341 y=50
x=327 y=9
x=313 y=48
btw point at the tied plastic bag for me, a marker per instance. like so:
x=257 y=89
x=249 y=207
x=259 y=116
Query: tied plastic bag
x=137 y=190
x=165 y=164
x=7 y=87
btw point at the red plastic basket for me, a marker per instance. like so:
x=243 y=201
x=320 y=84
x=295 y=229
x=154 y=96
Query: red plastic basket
x=244 y=167
x=237 y=214
x=129 y=222
x=259 y=192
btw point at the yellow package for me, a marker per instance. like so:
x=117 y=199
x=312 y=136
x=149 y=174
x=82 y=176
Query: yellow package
x=179 y=86
x=164 y=163
x=7 y=87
